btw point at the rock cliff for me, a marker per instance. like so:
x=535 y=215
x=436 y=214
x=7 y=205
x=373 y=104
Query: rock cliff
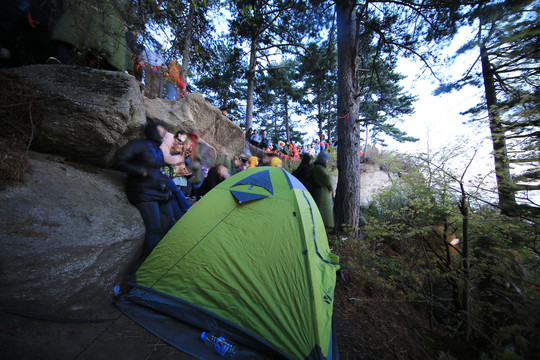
x=68 y=233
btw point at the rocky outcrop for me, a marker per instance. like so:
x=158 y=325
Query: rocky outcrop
x=68 y=233
x=81 y=113
x=372 y=181
x=68 y=236
x=194 y=113
x=85 y=114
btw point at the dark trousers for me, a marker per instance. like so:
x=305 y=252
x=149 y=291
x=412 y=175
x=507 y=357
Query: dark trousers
x=158 y=220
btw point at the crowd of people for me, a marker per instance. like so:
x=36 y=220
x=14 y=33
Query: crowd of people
x=166 y=176
x=158 y=78
x=287 y=150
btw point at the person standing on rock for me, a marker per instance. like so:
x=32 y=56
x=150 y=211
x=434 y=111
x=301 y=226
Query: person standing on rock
x=153 y=78
x=146 y=185
x=322 y=186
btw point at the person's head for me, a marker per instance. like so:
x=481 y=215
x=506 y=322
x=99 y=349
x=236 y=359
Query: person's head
x=244 y=157
x=181 y=135
x=253 y=161
x=250 y=130
x=155 y=131
x=276 y=162
x=223 y=111
x=264 y=132
x=306 y=159
x=255 y=132
x=223 y=171
x=322 y=158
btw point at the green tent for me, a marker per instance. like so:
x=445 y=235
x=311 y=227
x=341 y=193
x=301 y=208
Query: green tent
x=249 y=261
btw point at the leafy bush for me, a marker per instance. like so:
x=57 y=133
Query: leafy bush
x=481 y=290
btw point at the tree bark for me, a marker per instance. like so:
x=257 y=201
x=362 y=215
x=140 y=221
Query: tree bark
x=347 y=202
x=286 y=114
x=507 y=200
x=186 y=51
x=465 y=301
x=251 y=83
x=319 y=119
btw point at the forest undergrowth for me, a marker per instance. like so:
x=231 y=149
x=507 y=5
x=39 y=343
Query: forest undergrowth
x=438 y=273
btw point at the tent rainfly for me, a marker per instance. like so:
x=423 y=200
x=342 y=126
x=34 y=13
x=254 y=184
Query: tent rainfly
x=249 y=261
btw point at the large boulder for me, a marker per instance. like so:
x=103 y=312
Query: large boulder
x=194 y=113
x=85 y=114
x=68 y=236
x=81 y=113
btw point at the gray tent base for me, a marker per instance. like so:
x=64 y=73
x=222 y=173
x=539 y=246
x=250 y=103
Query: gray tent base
x=180 y=335
x=187 y=338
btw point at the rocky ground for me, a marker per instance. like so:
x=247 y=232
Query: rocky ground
x=368 y=329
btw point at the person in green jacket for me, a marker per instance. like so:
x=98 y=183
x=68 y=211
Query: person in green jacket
x=322 y=190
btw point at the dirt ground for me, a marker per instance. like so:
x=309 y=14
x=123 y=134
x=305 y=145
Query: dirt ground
x=369 y=323
x=117 y=337
x=366 y=330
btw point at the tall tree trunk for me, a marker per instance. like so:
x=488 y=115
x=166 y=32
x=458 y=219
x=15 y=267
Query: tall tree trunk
x=507 y=199
x=465 y=301
x=186 y=51
x=329 y=123
x=347 y=204
x=319 y=119
x=286 y=114
x=251 y=84
x=274 y=126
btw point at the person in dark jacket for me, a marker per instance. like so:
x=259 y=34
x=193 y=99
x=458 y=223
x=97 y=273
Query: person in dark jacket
x=216 y=175
x=322 y=190
x=303 y=172
x=146 y=185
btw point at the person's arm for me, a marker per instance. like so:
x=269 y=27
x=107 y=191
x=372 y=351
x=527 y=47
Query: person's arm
x=322 y=178
x=124 y=156
x=166 y=149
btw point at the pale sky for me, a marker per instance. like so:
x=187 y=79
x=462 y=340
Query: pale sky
x=437 y=121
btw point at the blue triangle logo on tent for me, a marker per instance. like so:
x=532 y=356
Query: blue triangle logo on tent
x=261 y=178
x=243 y=196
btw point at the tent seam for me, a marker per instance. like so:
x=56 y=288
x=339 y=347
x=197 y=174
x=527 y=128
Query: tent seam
x=194 y=246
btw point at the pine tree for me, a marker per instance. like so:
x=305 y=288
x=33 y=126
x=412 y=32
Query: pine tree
x=398 y=26
x=507 y=43
x=269 y=29
x=191 y=29
x=223 y=81
x=318 y=74
x=279 y=98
